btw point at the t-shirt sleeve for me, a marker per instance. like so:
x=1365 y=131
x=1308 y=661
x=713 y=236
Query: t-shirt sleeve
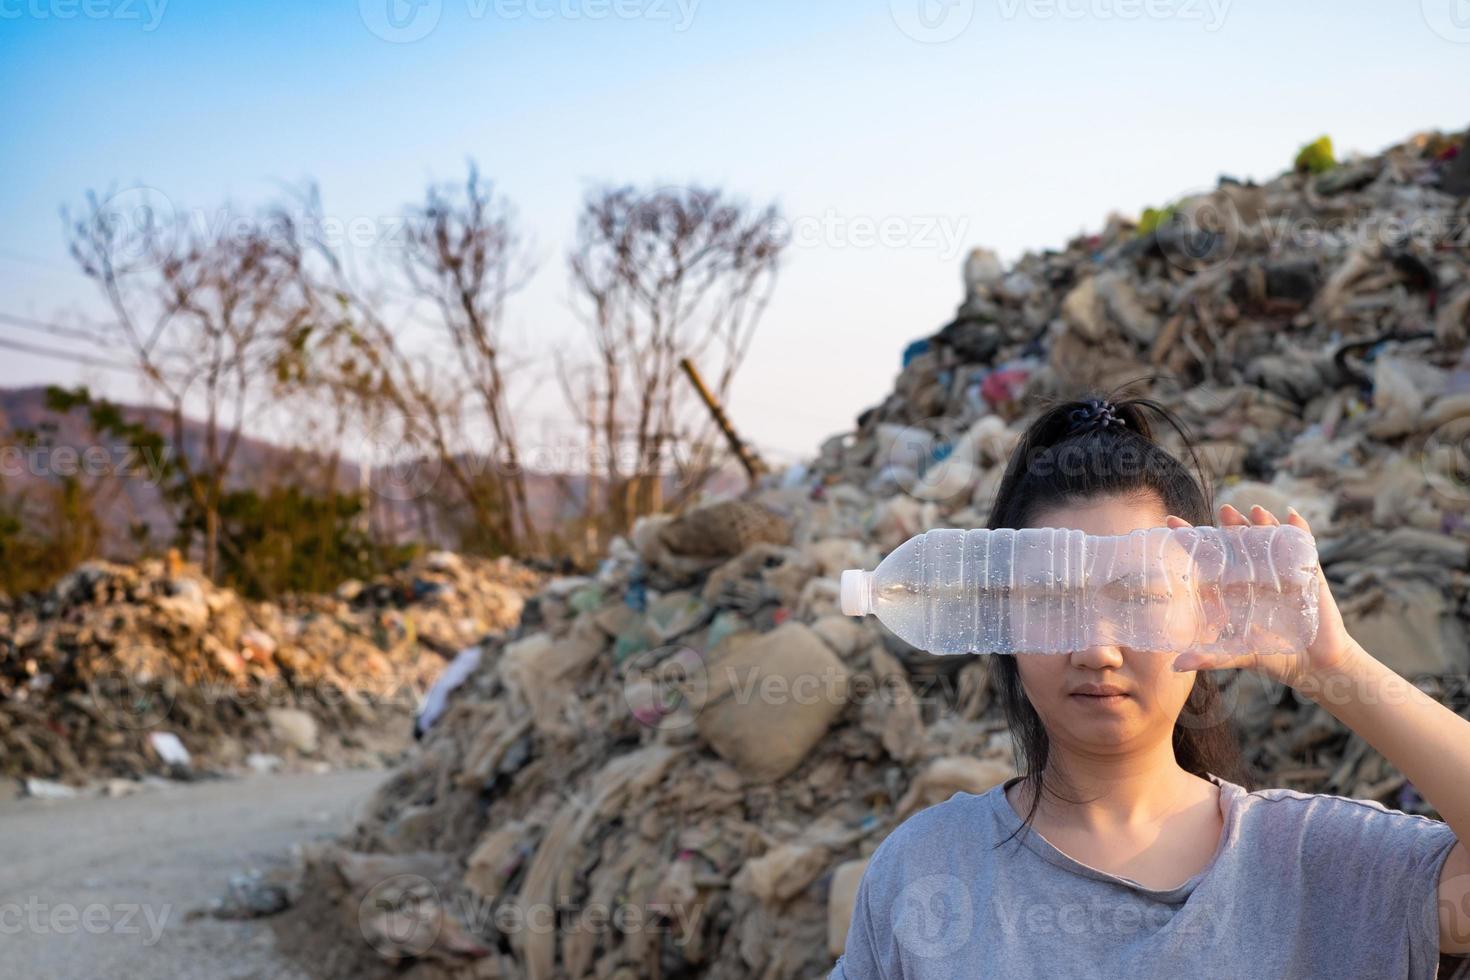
x=1378 y=867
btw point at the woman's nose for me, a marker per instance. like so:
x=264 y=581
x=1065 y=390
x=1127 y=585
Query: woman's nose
x=1098 y=657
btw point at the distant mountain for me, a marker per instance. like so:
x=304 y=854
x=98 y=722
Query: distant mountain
x=135 y=497
x=257 y=463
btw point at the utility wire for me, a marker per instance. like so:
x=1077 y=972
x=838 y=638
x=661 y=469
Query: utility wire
x=64 y=355
x=57 y=329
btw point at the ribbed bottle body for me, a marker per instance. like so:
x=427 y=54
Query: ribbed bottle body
x=1053 y=590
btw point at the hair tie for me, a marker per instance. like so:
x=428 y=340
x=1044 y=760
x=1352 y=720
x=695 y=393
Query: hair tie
x=1096 y=414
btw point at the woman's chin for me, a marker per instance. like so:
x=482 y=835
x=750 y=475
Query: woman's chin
x=1103 y=727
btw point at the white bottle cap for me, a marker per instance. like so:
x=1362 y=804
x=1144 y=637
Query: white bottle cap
x=856 y=592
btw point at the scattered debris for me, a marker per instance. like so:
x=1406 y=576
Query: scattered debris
x=252 y=895
x=122 y=670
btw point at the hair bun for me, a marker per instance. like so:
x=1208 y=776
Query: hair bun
x=1096 y=413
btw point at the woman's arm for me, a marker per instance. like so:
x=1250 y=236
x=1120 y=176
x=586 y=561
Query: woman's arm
x=1428 y=742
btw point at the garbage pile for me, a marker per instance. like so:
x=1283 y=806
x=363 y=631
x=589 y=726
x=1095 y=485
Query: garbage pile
x=678 y=766
x=127 y=670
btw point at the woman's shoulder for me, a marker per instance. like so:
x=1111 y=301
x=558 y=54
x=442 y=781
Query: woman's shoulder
x=1294 y=805
x=1334 y=824
x=933 y=838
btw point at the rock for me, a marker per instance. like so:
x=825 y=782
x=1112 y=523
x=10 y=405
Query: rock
x=725 y=529
x=771 y=698
x=294 y=727
x=252 y=895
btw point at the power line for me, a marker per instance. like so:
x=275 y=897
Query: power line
x=74 y=358
x=57 y=329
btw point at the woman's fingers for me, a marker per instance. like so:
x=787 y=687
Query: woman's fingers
x=1260 y=515
x=1176 y=522
x=1298 y=521
x=1213 y=661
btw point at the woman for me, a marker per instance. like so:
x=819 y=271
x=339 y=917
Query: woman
x=1128 y=847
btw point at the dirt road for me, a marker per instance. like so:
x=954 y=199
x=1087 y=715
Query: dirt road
x=103 y=888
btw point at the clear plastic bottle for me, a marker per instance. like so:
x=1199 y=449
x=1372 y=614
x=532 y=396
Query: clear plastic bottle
x=1052 y=590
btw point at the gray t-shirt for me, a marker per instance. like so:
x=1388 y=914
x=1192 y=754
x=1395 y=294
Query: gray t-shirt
x=1300 y=886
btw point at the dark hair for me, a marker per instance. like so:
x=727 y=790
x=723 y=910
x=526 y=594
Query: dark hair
x=1091 y=447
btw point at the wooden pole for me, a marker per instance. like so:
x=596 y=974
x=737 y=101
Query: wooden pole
x=748 y=459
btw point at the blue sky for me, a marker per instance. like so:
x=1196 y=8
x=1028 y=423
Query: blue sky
x=1007 y=123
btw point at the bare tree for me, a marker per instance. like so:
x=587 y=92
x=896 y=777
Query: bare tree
x=462 y=258
x=662 y=275
x=204 y=318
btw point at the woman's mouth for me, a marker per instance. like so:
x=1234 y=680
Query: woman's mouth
x=1099 y=694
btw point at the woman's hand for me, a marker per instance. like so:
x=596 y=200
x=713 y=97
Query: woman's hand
x=1331 y=649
